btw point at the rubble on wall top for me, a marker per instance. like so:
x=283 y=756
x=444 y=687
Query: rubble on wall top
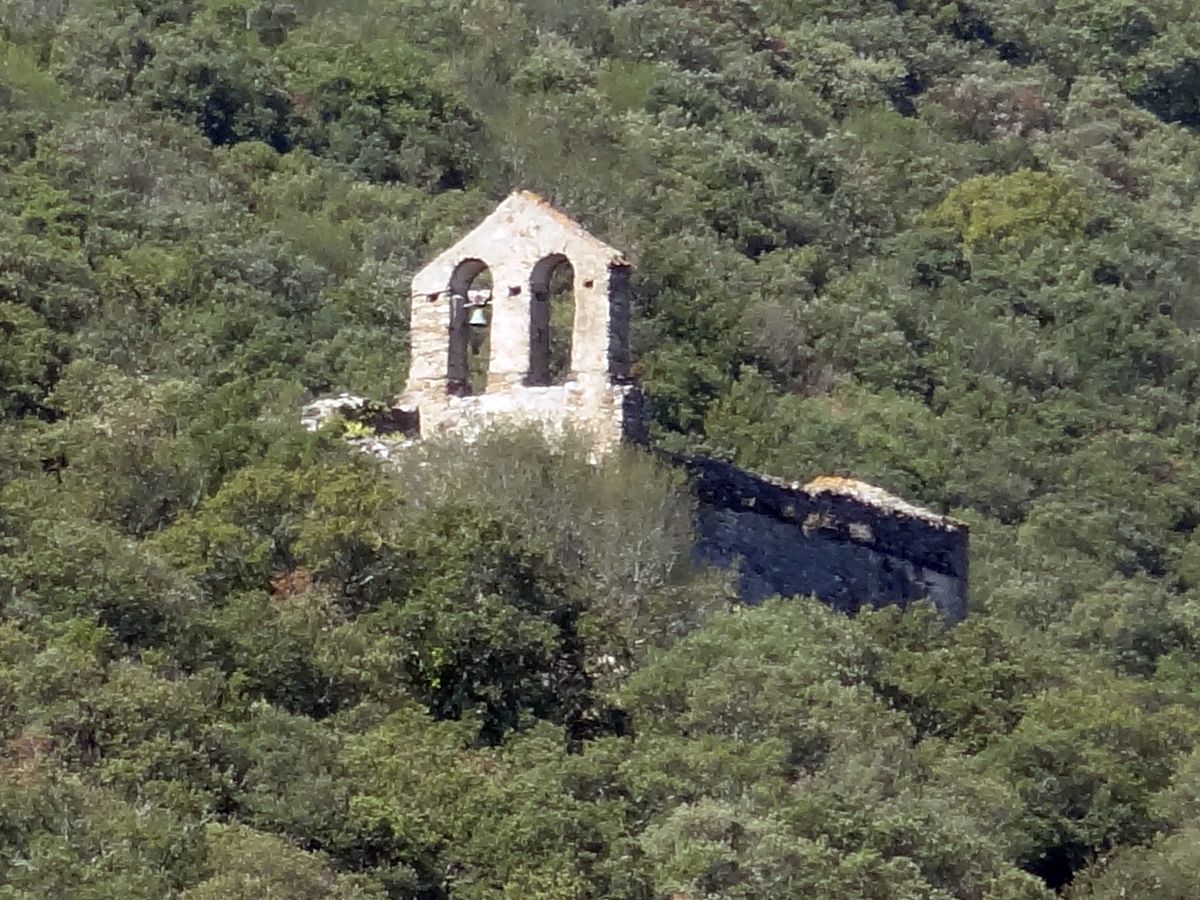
x=877 y=497
x=732 y=487
x=377 y=419
x=315 y=414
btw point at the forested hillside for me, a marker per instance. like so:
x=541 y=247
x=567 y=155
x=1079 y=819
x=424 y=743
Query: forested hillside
x=949 y=247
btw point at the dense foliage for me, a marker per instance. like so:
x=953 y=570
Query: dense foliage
x=952 y=248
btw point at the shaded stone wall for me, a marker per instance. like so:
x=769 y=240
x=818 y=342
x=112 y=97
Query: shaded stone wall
x=843 y=541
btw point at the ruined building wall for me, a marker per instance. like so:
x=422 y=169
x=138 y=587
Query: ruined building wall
x=843 y=541
x=846 y=542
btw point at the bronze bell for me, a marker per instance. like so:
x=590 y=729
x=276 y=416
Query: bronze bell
x=478 y=330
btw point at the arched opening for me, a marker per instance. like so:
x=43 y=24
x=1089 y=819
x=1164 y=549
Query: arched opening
x=551 y=320
x=470 y=328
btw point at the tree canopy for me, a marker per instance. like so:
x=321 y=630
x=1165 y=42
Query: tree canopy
x=950 y=248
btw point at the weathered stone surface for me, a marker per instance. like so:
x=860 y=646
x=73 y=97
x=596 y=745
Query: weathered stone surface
x=379 y=417
x=608 y=416
x=844 y=541
x=520 y=243
x=321 y=411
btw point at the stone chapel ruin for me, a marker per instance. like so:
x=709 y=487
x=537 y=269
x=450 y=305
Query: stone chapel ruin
x=488 y=351
x=521 y=244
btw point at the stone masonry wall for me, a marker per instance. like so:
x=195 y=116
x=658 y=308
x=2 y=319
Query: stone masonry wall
x=520 y=244
x=608 y=414
x=843 y=541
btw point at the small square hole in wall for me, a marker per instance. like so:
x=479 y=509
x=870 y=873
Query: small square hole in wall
x=432 y=298
x=589 y=283
x=514 y=290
